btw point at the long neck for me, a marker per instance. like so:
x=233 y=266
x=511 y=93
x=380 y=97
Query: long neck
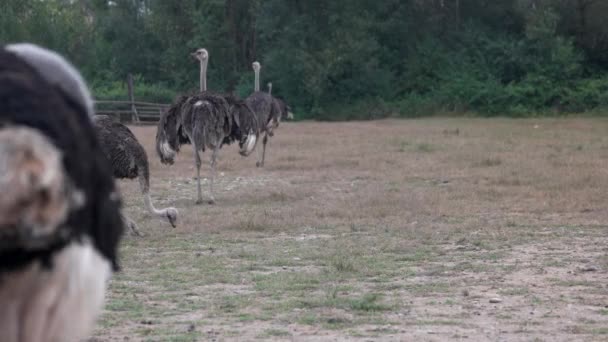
x=148 y=201
x=269 y=89
x=203 y=80
x=257 y=80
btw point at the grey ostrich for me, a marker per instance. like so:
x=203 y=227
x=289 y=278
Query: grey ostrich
x=207 y=120
x=268 y=110
x=129 y=160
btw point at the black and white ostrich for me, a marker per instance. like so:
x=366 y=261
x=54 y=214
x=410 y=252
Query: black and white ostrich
x=268 y=109
x=207 y=120
x=129 y=160
x=60 y=221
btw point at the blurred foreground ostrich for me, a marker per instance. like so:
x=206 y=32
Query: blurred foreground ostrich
x=207 y=120
x=129 y=160
x=268 y=110
x=60 y=221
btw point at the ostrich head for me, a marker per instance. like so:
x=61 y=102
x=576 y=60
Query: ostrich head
x=172 y=216
x=203 y=57
x=60 y=221
x=201 y=54
x=56 y=101
x=256 y=66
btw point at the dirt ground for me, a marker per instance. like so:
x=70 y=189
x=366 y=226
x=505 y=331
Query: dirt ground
x=426 y=230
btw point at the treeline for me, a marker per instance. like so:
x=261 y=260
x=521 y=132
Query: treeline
x=338 y=59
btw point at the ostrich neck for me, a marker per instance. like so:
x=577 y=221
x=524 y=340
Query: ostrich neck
x=150 y=206
x=257 y=80
x=270 y=89
x=203 y=80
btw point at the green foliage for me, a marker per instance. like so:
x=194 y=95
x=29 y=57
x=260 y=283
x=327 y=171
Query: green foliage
x=117 y=90
x=337 y=60
x=415 y=105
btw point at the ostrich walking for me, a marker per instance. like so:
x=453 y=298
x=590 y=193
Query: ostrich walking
x=268 y=110
x=129 y=160
x=207 y=120
x=60 y=218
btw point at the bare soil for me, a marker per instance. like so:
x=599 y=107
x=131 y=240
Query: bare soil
x=395 y=230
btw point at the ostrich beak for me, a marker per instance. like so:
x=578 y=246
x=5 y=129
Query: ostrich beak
x=249 y=145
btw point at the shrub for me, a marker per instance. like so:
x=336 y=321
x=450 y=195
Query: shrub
x=117 y=90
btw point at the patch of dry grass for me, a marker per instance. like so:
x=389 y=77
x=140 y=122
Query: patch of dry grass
x=376 y=230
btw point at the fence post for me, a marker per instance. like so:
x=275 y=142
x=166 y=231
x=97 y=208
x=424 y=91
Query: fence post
x=134 y=115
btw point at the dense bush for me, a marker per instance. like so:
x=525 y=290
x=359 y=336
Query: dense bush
x=341 y=59
x=142 y=92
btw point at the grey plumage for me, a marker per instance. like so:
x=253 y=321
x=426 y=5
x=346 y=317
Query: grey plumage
x=246 y=122
x=265 y=109
x=207 y=120
x=129 y=161
x=268 y=110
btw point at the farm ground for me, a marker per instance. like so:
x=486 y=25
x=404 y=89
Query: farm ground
x=387 y=230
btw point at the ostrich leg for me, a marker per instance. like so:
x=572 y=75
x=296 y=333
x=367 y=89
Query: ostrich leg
x=264 y=148
x=197 y=157
x=131 y=225
x=260 y=162
x=213 y=165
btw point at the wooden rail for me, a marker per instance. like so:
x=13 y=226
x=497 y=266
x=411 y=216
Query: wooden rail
x=131 y=111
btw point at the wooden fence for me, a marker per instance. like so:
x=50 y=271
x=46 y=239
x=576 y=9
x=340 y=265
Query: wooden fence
x=131 y=111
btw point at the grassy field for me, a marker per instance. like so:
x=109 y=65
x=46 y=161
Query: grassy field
x=428 y=230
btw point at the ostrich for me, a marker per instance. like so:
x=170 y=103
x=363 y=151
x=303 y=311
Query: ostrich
x=206 y=120
x=268 y=111
x=60 y=221
x=129 y=160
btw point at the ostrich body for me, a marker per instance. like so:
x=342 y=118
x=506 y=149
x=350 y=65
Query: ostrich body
x=207 y=120
x=129 y=160
x=60 y=220
x=268 y=111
